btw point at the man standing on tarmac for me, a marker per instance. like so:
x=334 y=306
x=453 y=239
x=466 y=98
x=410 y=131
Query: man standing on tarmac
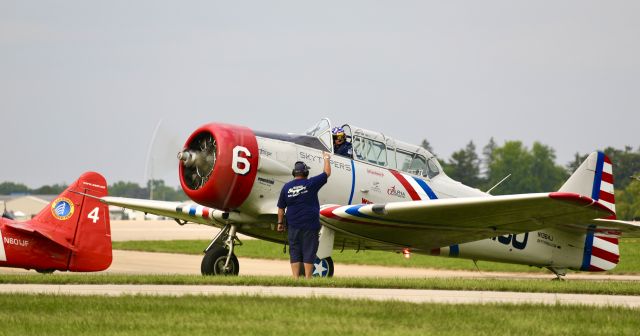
x=300 y=198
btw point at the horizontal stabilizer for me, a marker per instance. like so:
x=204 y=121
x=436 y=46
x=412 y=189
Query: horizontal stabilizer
x=28 y=228
x=627 y=228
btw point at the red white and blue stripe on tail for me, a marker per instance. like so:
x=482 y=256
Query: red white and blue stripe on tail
x=603 y=183
x=601 y=251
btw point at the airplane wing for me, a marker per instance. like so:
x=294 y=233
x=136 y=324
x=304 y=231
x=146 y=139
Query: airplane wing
x=190 y=212
x=443 y=222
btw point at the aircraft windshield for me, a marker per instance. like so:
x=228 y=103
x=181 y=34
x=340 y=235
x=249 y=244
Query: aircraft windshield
x=317 y=129
x=322 y=131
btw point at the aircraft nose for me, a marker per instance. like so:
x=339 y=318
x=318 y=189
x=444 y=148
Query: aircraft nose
x=199 y=158
x=218 y=165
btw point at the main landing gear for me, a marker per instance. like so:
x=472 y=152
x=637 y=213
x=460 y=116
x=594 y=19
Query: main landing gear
x=218 y=256
x=323 y=265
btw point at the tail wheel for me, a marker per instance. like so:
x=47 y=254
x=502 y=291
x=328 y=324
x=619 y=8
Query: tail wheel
x=214 y=260
x=322 y=268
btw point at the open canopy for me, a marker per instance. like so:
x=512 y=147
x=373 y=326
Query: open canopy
x=378 y=149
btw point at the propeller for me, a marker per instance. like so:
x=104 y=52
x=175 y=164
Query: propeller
x=160 y=163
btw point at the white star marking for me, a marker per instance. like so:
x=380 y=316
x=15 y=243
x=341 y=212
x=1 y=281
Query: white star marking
x=318 y=268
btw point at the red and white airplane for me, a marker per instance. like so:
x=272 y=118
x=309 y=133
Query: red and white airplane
x=71 y=234
x=391 y=196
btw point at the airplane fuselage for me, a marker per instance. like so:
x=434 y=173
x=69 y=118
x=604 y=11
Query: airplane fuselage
x=359 y=181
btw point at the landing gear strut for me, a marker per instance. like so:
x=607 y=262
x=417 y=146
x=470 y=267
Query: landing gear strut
x=323 y=265
x=559 y=272
x=218 y=256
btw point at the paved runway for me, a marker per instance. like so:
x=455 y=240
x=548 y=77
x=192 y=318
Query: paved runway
x=131 y=262
x=159 y=263
x=404 y=295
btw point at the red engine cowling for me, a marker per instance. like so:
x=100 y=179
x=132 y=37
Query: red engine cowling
x=218 y=165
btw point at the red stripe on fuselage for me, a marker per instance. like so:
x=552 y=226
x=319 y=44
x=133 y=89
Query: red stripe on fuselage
x=407 y=186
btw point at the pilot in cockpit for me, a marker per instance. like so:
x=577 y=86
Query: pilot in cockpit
x=340 y=144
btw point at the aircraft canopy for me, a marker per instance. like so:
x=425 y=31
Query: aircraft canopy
x=378 y=149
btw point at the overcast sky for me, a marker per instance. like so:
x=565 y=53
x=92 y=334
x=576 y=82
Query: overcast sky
x=83 y=84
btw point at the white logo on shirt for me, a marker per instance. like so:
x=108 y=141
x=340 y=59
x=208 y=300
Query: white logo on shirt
x=297 y=191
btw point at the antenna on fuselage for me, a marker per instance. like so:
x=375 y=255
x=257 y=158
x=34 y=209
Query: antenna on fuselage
x=497 y=184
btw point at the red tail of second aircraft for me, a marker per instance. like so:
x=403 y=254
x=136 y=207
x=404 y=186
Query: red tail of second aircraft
x=72 y=233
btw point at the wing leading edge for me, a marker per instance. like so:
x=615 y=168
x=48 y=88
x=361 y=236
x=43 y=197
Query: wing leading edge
x=190 y=212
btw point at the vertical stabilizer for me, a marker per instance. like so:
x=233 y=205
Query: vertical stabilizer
x=594 y=179
x=78 y=220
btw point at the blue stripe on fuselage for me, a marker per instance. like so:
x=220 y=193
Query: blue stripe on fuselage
x=426 y=188
x=353 y=181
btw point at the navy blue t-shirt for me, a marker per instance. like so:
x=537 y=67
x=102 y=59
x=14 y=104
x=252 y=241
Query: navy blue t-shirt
x=300 y=198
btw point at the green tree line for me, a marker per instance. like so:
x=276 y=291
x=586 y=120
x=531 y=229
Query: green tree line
x=120 y=188
x=535 y=170
x=531 y=170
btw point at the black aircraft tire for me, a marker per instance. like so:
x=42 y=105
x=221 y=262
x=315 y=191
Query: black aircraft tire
x=327 y=268
x=327 y=263
x=213 y=262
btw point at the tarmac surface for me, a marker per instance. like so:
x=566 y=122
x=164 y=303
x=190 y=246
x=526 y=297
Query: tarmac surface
x=130 y=262
x=404 y=295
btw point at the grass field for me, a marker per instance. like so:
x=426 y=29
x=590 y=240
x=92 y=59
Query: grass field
x=513 y=285
x=629 y=256
x=233 y=315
